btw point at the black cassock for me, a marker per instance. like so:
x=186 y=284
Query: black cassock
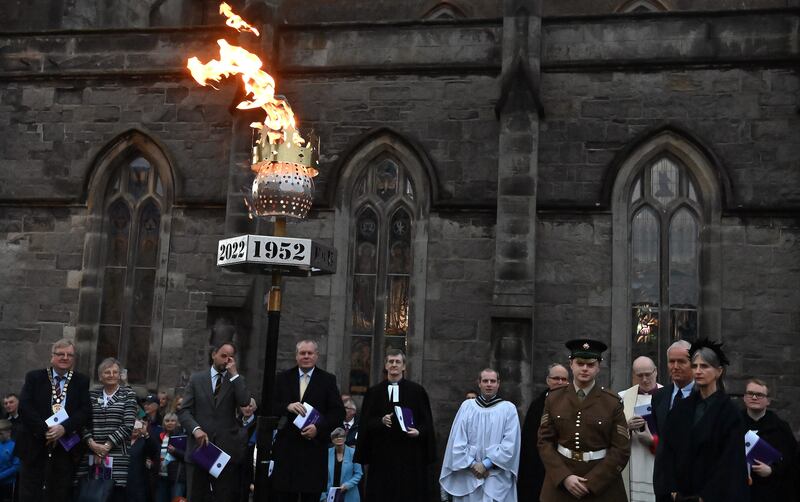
x=780 y=484
x=531 y=469
x=398 y=464
x=704 y=458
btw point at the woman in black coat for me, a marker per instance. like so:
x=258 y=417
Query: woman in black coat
x=703 y=444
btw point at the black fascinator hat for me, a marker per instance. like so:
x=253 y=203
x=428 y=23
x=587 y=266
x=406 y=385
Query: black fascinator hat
x=715 y=347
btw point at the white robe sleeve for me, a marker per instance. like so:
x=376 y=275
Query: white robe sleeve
x=455 y=478
x=505 y=454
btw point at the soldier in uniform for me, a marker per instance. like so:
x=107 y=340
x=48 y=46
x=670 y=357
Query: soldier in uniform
x=583 y=436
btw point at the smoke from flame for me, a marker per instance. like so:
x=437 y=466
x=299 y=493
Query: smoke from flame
x=258 y=84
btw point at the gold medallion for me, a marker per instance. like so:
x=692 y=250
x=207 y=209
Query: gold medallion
x=56 y=407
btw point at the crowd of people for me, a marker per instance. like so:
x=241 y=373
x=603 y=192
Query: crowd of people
x=684 y=441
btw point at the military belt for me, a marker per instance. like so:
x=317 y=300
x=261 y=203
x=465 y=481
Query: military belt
x=581 y=456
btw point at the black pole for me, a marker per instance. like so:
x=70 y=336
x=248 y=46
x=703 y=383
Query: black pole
x=267 y=421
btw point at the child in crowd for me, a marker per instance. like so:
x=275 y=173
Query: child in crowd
x=9 y=464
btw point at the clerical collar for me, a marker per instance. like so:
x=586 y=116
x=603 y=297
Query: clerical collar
x=759 y=417
x=587 y=390
x=488 y=402
x=646 y=392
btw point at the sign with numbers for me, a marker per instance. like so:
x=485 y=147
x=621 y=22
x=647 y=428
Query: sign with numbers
x=277 y=252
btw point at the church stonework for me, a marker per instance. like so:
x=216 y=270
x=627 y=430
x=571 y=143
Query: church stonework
x=497 y=177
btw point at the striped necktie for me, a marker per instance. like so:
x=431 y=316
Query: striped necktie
x=59 y=379
x=217 y=385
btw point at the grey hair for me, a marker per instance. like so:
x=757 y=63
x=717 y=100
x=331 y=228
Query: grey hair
x=680 y=344
x=553 y=365
x=338 y=432
x=64 y=342
x=169 y=416
x=313 y=342
x=107 y=363
x=708 y=356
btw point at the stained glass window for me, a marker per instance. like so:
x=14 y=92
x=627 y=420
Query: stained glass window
x=664 y=287
x=381 y=266
x=132 y=225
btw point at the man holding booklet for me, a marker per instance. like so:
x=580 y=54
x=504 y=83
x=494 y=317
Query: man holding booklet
x=214 y=446
x=396 y=440
x=772 y=478
x=54 y=405
x=636 y=402
x=308 y=401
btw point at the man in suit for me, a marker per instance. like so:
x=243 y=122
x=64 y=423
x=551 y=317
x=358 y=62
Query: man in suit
x=350 y=424
x=680 y=387
x=47 y=467
x=208 y=414
x=301 y=455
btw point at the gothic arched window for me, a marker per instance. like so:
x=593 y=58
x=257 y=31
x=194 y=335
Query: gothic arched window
x=665 y=216
x=666 y=267
x=131 y=228
x=381 y=265
x=127 y=248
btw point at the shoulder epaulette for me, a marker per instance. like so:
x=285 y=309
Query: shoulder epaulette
x=611 y=393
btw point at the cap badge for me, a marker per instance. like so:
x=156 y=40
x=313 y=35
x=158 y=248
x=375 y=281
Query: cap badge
x=585 y=346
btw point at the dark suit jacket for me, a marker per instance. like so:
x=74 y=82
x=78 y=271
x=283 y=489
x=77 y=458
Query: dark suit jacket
x=352 y=433
x=660 y=405
x=217 y=420
x=35 y=407
x=302 y=465
x=531 y=469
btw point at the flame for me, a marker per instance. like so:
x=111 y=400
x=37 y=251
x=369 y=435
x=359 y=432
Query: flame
x=234 y=20
x=259 y=85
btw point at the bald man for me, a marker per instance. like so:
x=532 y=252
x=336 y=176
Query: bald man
x=638 y=474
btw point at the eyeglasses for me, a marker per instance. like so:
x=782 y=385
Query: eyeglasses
x=558 y=379
x=64 y=355
x=645 y=375
x=755 y=395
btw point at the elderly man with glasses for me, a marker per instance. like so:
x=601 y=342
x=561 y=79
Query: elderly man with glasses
x=350 y=424
x=769 y=482
x=638 y=474
x=54 y=405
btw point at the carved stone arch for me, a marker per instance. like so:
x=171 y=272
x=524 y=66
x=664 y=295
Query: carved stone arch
x=444 y=11
x=114 y=156
x=120 y=149
x=375 y=147
x=383 y=142
x=642 y=6
x=701 y=168
x=671 y=138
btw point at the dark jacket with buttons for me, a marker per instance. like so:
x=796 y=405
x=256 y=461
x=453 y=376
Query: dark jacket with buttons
x=596 y=423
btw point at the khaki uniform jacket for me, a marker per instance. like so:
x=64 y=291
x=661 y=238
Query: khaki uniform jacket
x=597 y=423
